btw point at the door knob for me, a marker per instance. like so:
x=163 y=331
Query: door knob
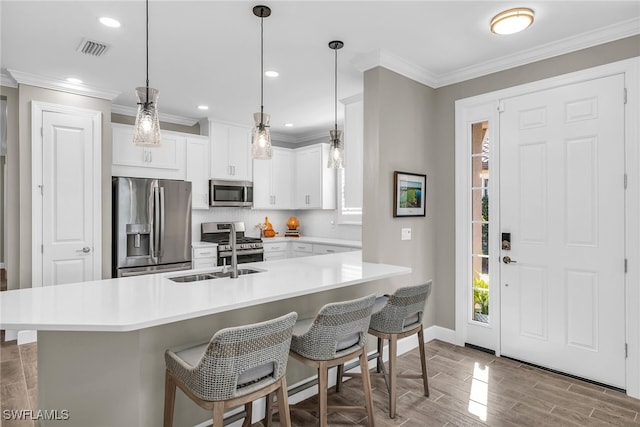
x=508 y=260
x=85 y=250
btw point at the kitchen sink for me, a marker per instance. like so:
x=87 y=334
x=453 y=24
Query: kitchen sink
x=213 y=275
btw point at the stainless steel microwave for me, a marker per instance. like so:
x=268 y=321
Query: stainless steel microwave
x=230 y=193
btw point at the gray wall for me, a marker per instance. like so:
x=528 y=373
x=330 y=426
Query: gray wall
x=399 y=132
x=410 y=127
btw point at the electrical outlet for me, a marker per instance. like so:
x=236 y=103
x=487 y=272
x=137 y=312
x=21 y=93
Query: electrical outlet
x=406 y=234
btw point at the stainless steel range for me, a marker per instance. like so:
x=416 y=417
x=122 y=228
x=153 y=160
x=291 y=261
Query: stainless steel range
x=248 y=249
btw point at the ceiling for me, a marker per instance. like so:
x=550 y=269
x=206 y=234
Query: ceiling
x=208 y=52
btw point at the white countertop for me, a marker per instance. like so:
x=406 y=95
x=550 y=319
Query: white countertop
x=133 y=303
x=311 y=239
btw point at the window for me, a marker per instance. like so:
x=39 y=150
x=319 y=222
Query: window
x=480 y=221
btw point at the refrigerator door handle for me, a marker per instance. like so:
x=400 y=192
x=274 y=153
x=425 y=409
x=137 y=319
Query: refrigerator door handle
x=162 y=212
x=155 y=229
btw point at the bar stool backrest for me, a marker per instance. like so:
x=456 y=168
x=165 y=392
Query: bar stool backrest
x=234 y=352
x=339 y=328
x=404 y=309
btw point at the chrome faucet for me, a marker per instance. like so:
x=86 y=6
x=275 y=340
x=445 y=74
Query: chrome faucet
x=234 y=255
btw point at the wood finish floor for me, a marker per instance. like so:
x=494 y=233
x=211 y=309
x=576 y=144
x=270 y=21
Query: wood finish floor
x=468 y=388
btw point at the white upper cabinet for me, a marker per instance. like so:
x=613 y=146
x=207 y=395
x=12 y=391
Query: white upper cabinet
x=198 y=170
x=315 y=184
x=166 y=161
x=272 y=180
x=230 y=152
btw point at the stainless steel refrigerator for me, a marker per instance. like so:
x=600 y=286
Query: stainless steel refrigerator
x=151 y=226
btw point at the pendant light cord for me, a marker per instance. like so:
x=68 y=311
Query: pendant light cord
x=147 y=103
x=261 y=69
x=335 y=110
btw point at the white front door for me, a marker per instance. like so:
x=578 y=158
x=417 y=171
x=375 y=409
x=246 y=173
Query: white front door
x=562 y=201
x=70 y=198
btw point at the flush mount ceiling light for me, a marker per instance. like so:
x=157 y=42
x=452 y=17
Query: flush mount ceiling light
x=261 y=144
x=336 y=150
x=203 y=107
x=146 y=130
x=512 y=21
x=271 y=73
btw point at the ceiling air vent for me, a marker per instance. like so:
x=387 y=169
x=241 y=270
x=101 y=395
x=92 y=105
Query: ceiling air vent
x=93 y=47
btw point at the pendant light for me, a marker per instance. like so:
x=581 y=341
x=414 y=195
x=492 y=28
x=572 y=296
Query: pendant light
x=261 y=143
x=336 y=150
x=146 y=130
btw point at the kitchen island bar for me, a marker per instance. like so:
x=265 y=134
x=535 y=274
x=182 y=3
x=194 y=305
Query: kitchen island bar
x=101 y=344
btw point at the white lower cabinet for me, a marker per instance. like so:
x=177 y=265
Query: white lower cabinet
x=204 y=256
x=319 y=249
x=300 y=249
x=275 y=250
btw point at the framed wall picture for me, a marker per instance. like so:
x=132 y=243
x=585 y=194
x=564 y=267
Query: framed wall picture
x=409 y=194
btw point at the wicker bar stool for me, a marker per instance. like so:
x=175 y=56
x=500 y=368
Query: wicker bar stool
x=237 y=366
x=336 y=335
x=394 y=317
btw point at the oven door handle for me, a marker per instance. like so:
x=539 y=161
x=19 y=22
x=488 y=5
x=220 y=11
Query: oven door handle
x=242 y=252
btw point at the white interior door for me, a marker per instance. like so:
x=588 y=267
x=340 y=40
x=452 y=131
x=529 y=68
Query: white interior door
x=70 y=198
x=562 y=199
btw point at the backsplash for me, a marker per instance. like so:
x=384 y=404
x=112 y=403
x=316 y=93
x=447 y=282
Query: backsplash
x=315 y=223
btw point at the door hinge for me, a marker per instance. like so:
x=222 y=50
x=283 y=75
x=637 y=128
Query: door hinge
x=626 y=350
x=625 y=95
x=626 y=265
x=500 y=106
x=41 y=249
x=41 y=132
x=625 y=181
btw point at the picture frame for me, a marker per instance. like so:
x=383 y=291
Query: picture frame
x=409 y=195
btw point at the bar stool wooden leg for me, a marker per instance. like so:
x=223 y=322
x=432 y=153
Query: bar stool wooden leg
x=268 y=410
x=248 y=414
x=423 y=361
x=379 y=361
x=169 y=399
x=393 y=346
x=340 y=372
x=323 y=382
x=366 y=385
x=283 y=404
x=218 y=414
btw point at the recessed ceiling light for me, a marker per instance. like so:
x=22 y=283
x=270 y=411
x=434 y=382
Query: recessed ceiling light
x=512 y=21
x=109 y=22
x=74 y=80
x=288 y=125
x=203 y=107
x=271 y=73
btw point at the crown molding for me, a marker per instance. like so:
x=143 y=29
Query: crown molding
x=390 y=61
x=560 y=47
x=284 y=138
x=7 y=80
x=163 y=117
x=381 y=58
x=61 y=85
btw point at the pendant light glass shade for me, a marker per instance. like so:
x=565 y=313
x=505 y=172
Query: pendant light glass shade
x=146 y=130
x=336 y=150
x=261 y=143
